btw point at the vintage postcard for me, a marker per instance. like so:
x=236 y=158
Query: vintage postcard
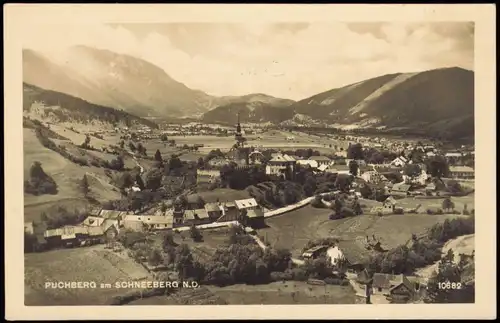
x=249 y=161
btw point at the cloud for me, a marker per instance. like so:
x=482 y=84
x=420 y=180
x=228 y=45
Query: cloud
x=286 y=60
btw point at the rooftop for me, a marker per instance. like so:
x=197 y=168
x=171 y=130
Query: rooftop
x=462 y=169
x=247 y=203
x=319 y=158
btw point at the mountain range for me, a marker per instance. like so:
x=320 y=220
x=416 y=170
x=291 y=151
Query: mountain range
x=122 y=82
x=436 y=101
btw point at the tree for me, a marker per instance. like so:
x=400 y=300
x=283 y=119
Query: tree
x=437 y=166
x=163 y=137
x=343 y=182
x=117 y=163
x=200 y=203
x=132 y=146
x=366 y=191
x=201 y=163
x=195 y=233
x=353 y=168
x=39 y=182
x=86 y=143
x=168 y=240
x=84 y=185
x=355 y=151
x=153 y=179
x=440 y=287
x=448 y=204
x=183 y=261
x=122 y=144
x=411 y=170
x=158 y=157
x=154 y=257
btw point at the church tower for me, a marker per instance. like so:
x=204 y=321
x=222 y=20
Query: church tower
x=238 y=134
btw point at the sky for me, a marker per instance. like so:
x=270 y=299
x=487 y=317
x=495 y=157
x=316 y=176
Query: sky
x=287 y=60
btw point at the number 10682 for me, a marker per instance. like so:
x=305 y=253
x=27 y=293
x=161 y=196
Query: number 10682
x=449 y=285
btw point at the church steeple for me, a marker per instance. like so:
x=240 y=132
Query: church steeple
x=238 y=126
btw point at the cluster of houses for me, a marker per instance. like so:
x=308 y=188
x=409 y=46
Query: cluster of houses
x=351 y=256
x=103 y=225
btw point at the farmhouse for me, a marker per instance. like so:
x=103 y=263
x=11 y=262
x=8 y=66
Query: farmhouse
x=308 y=163
x=355 y=254
x=214 y=210
x=389 y=203
x=373 y=177
x=314 y=252
x=338 y=169
x=321 y=160
x=207 y=176
x=230 y=212
x=196 y=217
x=81 y=234
x=399 y=161
x=461 y=172
x=250 y=213
x=397 y=287
x=400 y=189
x=334 y=254
x=149 y=222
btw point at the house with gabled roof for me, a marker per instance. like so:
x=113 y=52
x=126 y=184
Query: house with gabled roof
x=400 y=161
x=250 y=212
x=280 y=164
x=321 y=160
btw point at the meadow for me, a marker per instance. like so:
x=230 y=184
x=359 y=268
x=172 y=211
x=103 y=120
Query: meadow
x=294 y=229
x=277 y=293
x=67 y=176
x=88 y=264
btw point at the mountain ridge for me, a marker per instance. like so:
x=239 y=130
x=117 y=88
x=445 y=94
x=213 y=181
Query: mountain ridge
x=124 y=82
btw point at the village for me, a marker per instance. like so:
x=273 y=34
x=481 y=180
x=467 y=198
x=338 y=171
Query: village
x=382 y=171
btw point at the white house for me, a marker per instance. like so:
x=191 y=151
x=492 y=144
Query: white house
x=373 y=177
x=399 y=161
x=279 y=164
x=334 y=254
x=308 y=162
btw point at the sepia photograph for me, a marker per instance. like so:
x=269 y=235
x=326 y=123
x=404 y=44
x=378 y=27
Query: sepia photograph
x=298 y=162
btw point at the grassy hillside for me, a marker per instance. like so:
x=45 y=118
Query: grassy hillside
x=61 y=107
x=66 y=175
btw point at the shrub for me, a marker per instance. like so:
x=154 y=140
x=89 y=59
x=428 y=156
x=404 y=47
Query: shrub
x=336 y=281
x=398 y=211
x=380 y=214
x=430 y=212
x=439 y=211
x=276 y=276
x=39 y=182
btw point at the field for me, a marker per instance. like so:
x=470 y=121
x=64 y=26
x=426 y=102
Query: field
x=270 y=139
x=66 y=174
x=89 y=264
x=294 y=229
x=277 y=293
